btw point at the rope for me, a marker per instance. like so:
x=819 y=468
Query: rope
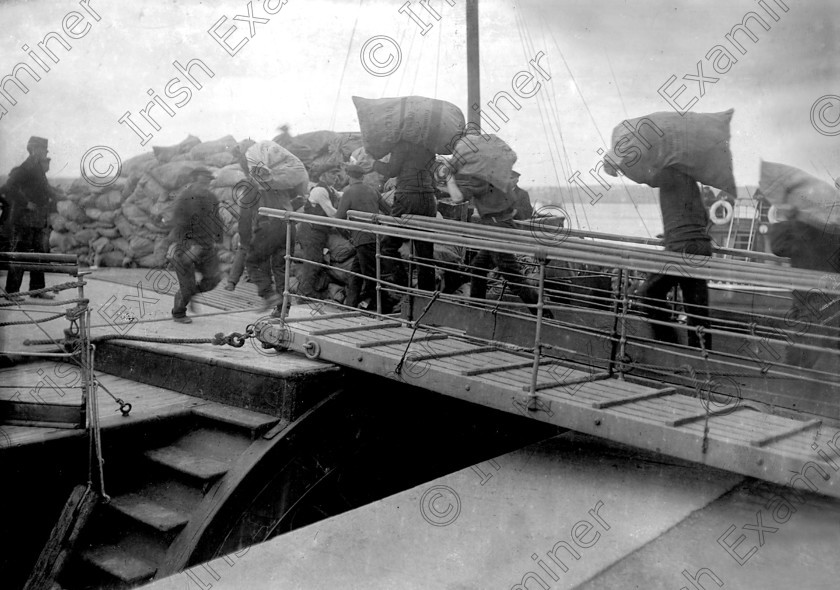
x=217 y=340
x=54 y=288
x=398 y=368
x=46 y=303
x=27 y=322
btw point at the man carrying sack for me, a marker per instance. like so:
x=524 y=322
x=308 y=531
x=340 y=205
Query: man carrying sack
x=414 y=194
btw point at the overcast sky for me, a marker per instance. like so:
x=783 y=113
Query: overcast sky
x=303 y=66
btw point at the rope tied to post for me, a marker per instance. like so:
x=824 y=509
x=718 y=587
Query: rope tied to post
x=399 y=367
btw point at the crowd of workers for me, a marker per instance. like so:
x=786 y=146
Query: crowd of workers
x=197 y=228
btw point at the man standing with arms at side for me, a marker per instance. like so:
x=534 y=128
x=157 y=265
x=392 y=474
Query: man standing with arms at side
x=360 y=197
x=414 y=195
x=685 y=220
x=196 y=230
x=521 y=199
x=28 y=192
x=322 y=201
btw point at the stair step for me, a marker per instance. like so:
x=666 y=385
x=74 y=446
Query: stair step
x=149 y=512
x=252 y=422
x=202 y=468
x=120 y=564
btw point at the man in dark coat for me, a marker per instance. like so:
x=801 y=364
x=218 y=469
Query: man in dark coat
x=685 y=220
x=196 y=230
x=521 y=199
x=414 y=195
x=358 y=196
x=810 y=248
x=28 y=192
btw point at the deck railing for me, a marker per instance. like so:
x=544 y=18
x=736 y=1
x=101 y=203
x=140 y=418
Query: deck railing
x=613 y=313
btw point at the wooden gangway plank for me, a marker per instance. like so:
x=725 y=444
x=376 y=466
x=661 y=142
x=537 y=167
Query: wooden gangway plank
x=740 y=438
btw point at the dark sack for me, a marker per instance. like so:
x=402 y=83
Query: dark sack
x=434 y=124
x=696 y=144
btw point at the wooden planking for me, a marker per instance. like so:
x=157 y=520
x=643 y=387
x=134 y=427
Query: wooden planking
x=507 y=367
x=401 y=340
x=358 y=328
x=792 y=429
x=78 y=509
x=631 y=399
x=636 y=414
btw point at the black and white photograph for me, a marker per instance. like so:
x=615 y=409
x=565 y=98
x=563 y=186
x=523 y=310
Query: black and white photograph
x=419 y=294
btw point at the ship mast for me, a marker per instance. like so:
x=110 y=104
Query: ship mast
x=473 y=73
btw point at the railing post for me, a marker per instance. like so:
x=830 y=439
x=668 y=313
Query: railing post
x=378 y=273
x=412 y=266
x=532 y=401
x=614 y=335
x=625 y=283
x=290 y=248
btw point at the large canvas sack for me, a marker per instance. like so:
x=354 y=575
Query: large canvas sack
x=696 y=144
x=797 y=194
x=175 y=174
x=208 y=148
x=434 y=124
x=165 y=154
x=286 y=170
x=230 y=175
x=486 y=157
x=138 y=165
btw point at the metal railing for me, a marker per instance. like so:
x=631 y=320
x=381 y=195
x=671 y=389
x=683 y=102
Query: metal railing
x=616 y=309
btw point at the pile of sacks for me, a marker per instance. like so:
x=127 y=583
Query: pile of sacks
x=125 y=223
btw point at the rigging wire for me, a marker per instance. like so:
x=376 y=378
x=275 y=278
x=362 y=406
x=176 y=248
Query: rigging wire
x=552 y=148
x=552 y=108
x=597 y=129
x=344 y=69
x=617 y=87
x=437 y=64
x=406 y=61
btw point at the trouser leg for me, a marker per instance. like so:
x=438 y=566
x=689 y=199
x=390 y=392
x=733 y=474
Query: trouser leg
x=238 y=266
x=366 y=255
x=37 y=244
x=313 y=242
x=210 y=270
x=482 y=263
x=654 y=294
x=696 y=300
x=184 y=265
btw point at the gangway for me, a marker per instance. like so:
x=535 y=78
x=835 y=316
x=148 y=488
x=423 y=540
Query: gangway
x=785 y=448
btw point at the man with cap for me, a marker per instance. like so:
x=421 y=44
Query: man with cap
x=196 y=230
x=322 y=201
x=359 y=196
x=414 y=195
x=521 y=199
x=28 y=193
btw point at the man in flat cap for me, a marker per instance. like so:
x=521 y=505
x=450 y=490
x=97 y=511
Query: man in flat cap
x=196 y=230
x=322 y=201
x=521 y=199
x=28 y=193
x=358 y=196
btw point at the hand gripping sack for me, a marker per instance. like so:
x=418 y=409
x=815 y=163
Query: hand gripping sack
x=286 y=170
x=486 y=157
x=797 y=194
x=434 y=124
x=696 y=144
